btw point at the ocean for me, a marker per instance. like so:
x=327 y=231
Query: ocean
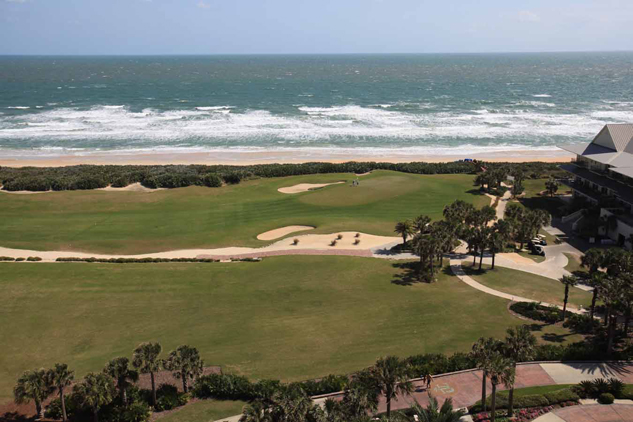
x=378 y=104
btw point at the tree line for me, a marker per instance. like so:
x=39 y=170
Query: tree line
x=479 y=228
x=84 y=177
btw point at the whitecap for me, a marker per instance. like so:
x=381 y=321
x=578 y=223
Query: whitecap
x=18 y=107
x=542 y=96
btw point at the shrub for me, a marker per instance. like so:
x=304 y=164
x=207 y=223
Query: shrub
x=339 y=236
x=19 y=259
x=136 y=412
x=212 y=180
x=33 y=259
x=224 y=387
x=606 y=398
x=7 y=258
x=537 y=312
x=333 y=243
x=582 y=324
x=562 y=396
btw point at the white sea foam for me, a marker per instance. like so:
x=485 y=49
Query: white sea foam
x=348 y=125
x=19 y=107
x=542 y=96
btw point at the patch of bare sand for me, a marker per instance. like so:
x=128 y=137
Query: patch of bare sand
x=517 y=258
x=134 y=187
x=304 y=187
x=321 y=242
x=281 y=232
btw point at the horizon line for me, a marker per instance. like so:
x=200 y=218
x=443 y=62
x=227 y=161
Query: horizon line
x=304 y=54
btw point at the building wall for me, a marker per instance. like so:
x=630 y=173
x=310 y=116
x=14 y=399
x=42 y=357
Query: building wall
x=622 y=229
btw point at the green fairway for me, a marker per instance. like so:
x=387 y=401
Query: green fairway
x=292 y=318
x=199 y=217
x=528 y=285
x=205 y=411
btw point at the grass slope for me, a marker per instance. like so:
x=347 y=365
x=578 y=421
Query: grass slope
x=527 y=285
x=199 y=217
x=286 y=317
x=205 y=411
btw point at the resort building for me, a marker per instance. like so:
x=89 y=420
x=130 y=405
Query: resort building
x=602 y=174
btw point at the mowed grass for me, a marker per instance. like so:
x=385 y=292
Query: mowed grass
x=205 y=411
x=200 y=217
x=528 y=285
x=289 y=318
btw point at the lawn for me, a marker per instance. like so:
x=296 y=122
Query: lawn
x=528 y=285
x=205 y=411
x=291 y=318
x=199 y=217
x=574 y=266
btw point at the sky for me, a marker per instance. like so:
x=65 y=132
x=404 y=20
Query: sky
x=113 y=27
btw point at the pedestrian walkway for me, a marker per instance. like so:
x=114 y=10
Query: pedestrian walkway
x=456 y=268
x=590 y=413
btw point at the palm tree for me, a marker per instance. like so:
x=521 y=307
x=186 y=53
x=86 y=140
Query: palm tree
x=567 y=281
x=361 y=395
x=519 y=347
x=482 y=352
x=186 y=363
x=552 y=186
x=404 y=229
x=146 y=360
x=118 y=368
x=292 y=404
x=616 y=295
x=500 y=370
x=593 y=259
x=256 y=412
x=33 y=385
x=435 y=413
x=95 y=391
x=61 y=377
x=420 y=222
x=596 y=281
x=392 y=378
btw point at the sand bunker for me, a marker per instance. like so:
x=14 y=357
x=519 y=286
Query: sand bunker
x=281 y=232
x=134 y=187
x=304 y=187
x=307 y=242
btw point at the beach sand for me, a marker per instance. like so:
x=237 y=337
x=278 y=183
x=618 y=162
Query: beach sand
x=26 y=158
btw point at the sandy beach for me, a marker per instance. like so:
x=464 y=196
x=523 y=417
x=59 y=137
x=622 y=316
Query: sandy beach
x=227 y=157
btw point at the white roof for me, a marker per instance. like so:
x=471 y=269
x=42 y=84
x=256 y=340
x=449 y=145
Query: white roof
x=613 y=146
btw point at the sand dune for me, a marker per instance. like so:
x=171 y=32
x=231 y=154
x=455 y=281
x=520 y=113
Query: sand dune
x=304 y=187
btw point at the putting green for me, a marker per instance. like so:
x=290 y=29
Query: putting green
x=199 y=217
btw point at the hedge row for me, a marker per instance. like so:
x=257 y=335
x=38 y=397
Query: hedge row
x=235 y=387
x=531 y=400
x=538 y=312
x=149 y=260
x=173 y=176
x=11 y=259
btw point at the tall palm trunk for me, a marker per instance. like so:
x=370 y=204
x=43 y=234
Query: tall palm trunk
x=511 y=397
x=474 y=256
x=151 y=375
x=483 y=390
x=481 y=258
x=493 y=261
x=38 y=408
x=493 y=405
x=565 y=301
x=606 y=316
x=610 y=334
x=388 y=409
x=62 y=399
x=184 y=381
x=592 y=310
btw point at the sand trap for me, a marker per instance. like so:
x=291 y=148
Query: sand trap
x=281 y=232
x=517 y=258
x=134 y=187
x=304 y=187
x=319 y=242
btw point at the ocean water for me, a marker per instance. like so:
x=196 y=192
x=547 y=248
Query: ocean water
x=426 y=104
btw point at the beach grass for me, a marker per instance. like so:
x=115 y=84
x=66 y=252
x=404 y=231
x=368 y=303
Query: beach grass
x=200 y=217
x=289 y=318
x=528 y=285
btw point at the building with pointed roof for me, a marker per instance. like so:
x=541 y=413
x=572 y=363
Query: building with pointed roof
x=602 y=174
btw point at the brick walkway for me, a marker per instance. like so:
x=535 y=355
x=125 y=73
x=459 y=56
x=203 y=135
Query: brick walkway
x=591 y=413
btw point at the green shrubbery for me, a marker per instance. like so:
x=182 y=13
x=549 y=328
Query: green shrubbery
x=174 y=176
x=537 y=312
x=606 y=398
x=531 y=400
x=596 y=388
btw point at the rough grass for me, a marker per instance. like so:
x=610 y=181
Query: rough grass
x=199 y=217
x=528 y=285
x=292 y=318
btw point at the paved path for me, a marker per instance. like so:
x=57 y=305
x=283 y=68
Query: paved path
x=590 y=413
x=456 y=268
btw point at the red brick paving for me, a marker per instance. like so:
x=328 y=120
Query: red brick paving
x=597 y=413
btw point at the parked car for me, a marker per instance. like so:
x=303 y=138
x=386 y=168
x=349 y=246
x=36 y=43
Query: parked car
x=538 y=250
x=539 y=241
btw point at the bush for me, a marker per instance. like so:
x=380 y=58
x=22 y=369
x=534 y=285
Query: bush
x=594 y=389
x=224 y=387
x=19 y=259
x=561 y=396
x=212 y=180
x=582 y=324
x=537 y=312
x=33 y=259
x=606 y=398
x=7 y=259
x=136 y=412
